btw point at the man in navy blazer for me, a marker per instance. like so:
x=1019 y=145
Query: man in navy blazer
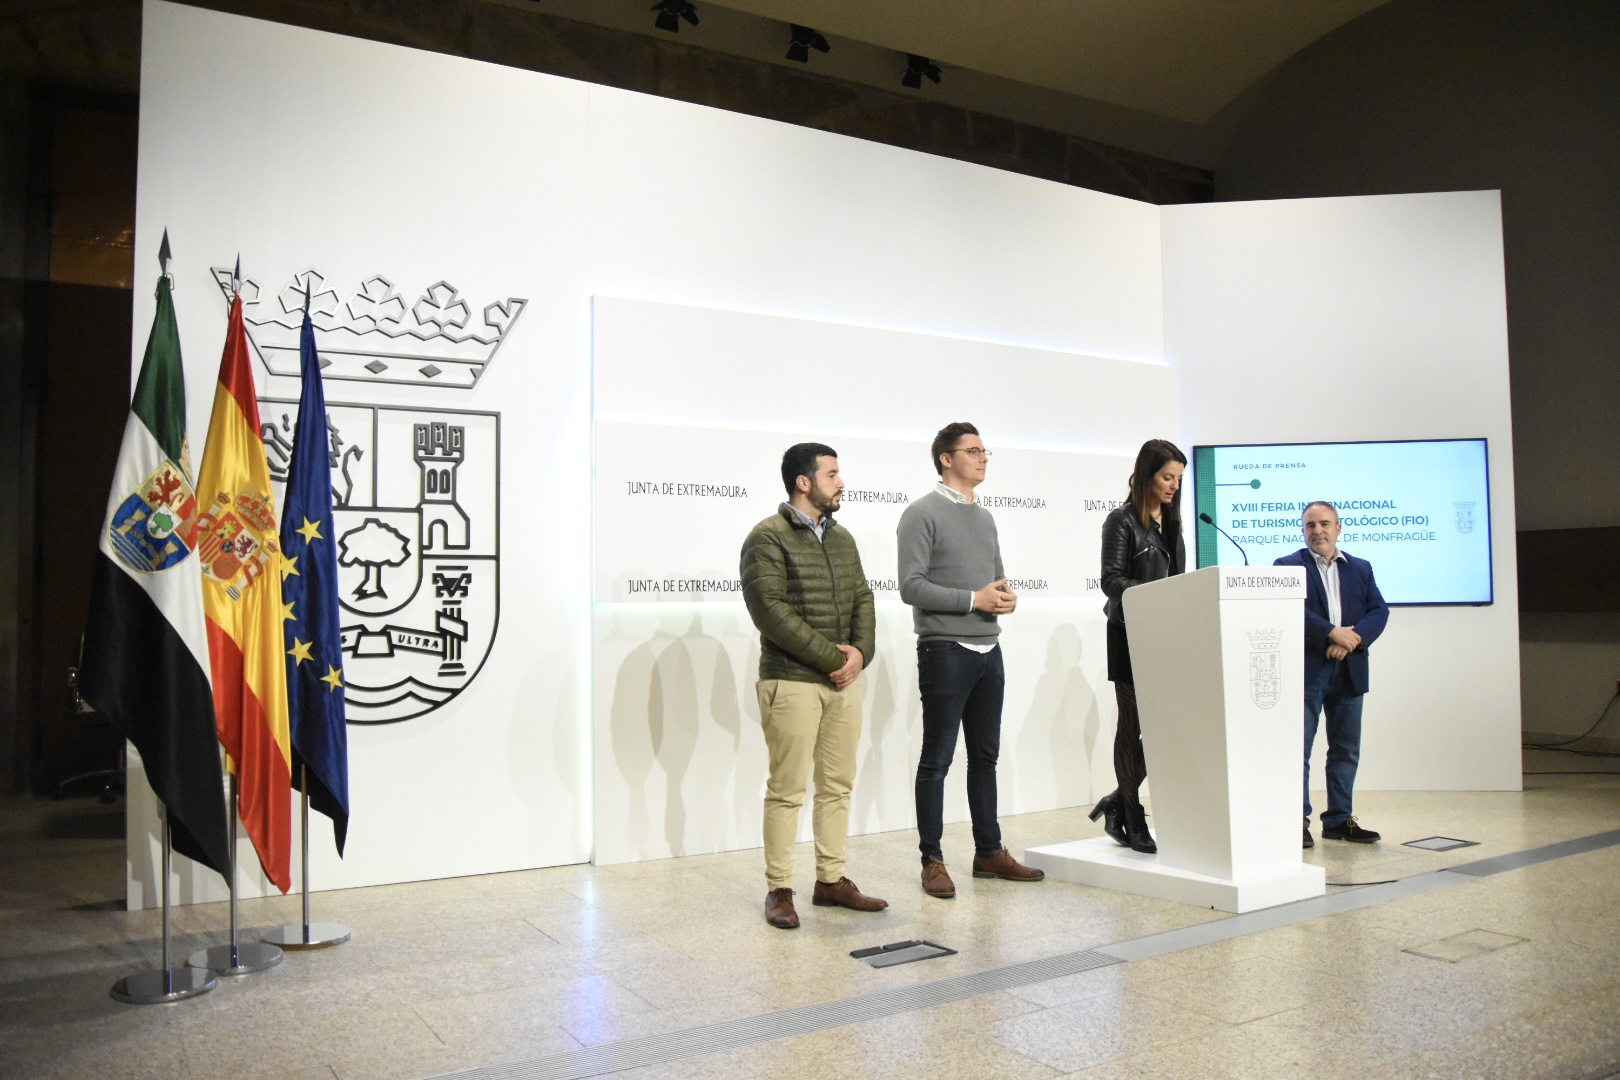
x=1344 y=614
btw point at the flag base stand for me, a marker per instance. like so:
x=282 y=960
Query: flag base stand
x=320 y=935
x=166 y=983
x=306 y=935
x=244 y=958
x=236 y=958
x=157 y=987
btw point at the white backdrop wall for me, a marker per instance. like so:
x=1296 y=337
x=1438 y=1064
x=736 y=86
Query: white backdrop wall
x=304 y=150
x=1383 y=317
x=301 y=150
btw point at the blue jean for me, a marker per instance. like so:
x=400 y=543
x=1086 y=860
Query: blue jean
x=1328 y=690
x=960 y=689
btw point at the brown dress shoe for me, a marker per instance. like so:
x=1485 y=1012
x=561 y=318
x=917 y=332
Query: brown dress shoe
x=936 y=882
x=1004 y=866
x=779 y=909
x=844 y=893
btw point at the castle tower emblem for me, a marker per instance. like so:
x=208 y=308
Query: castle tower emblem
x=440 y=450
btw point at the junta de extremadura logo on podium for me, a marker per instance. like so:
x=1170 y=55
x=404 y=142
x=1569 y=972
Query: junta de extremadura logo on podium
x=1265 y=667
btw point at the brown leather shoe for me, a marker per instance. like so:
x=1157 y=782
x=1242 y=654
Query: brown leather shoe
x=779 y=909
x=936 y=882
x=1004 y=866
x=844 y=893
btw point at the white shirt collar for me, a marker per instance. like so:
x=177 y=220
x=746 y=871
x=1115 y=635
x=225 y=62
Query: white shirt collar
x=1338 y=557
x=952 y=494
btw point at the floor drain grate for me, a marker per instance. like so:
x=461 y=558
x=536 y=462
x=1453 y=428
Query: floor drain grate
x=1440 y=843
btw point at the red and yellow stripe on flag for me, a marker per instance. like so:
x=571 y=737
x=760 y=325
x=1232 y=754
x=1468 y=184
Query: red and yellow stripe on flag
x=242 y=566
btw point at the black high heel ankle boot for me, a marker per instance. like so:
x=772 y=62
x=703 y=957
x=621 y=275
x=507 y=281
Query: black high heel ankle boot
x=1108 y=809
x=1136 y=829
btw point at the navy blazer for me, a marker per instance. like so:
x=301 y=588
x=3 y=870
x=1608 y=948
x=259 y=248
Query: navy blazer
x=1361 y=607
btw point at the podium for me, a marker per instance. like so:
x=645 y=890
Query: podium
x=1219 y=660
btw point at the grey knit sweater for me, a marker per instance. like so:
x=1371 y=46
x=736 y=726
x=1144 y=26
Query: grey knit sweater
x=948 y=551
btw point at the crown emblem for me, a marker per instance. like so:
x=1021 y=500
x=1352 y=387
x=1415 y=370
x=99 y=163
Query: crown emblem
x=258 y=510
x=1265 y=639
x=373 y=336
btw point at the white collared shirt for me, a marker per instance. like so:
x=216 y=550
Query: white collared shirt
x=1329 y=569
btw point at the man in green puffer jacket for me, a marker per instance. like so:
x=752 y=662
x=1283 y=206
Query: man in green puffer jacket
x=808 y=597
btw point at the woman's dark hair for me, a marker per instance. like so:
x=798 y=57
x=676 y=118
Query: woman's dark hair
x=1155 y=455
x=802 y=459
x=945 y=442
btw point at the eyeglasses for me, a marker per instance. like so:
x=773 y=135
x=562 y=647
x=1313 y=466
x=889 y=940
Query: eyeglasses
x=973 y=451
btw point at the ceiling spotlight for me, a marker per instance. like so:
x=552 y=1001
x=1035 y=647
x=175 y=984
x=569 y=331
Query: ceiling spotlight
x=671 y=12
x=917 y=67
x=805 y=39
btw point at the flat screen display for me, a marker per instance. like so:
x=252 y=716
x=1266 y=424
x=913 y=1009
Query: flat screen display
x=1419 y=511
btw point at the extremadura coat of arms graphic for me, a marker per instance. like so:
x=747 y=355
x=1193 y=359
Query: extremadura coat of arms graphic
x=1265 y=667
x=156 y=526
x=416 y=513
x=415 y=490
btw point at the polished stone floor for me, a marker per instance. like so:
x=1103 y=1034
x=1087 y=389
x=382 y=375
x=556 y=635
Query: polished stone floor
x=450 y=975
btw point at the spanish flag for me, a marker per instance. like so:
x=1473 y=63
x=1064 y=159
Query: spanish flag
x=243 y=567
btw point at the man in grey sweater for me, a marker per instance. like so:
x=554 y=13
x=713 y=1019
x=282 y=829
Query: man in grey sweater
x=951 y=575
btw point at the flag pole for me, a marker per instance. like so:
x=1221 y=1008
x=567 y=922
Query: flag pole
x=236 y=958
x=307 y=935
x=167 y=983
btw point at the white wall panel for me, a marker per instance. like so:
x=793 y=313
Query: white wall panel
x=299 y=149
x=1382 y=317
x=716 y=209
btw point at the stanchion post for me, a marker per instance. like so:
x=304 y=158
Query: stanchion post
x=307 y=935
x=236 y=959
x=167 y=983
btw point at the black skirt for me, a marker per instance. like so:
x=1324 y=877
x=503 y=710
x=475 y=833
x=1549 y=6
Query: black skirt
x=1119 y=655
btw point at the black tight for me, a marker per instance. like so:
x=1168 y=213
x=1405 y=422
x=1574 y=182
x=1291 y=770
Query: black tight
x=1130 y=765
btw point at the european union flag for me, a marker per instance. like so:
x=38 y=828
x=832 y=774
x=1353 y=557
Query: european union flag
x=309 y=595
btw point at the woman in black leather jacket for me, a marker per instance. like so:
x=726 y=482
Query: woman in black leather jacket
x=1141 y=541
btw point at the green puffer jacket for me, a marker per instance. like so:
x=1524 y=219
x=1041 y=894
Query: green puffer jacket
x=806 y=597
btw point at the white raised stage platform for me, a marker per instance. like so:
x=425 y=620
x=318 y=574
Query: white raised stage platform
x=1101 y=862
x=1219 y=659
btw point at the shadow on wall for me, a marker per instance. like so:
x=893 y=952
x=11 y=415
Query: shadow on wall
x=675 y=692
x=630 y=719
x=1059 y=732
x=881 y=712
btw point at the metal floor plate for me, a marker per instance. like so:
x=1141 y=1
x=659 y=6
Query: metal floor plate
x=1440 y=843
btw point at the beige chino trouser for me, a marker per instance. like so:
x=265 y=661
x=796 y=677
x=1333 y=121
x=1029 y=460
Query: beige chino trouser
x=807 y=722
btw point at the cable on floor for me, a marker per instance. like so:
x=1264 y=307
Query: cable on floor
x=1602 y=715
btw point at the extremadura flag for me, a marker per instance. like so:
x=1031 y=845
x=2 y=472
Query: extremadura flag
x=242 y=568
x=145 y=665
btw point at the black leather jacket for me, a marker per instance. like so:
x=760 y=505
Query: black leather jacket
x=1132 y=554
